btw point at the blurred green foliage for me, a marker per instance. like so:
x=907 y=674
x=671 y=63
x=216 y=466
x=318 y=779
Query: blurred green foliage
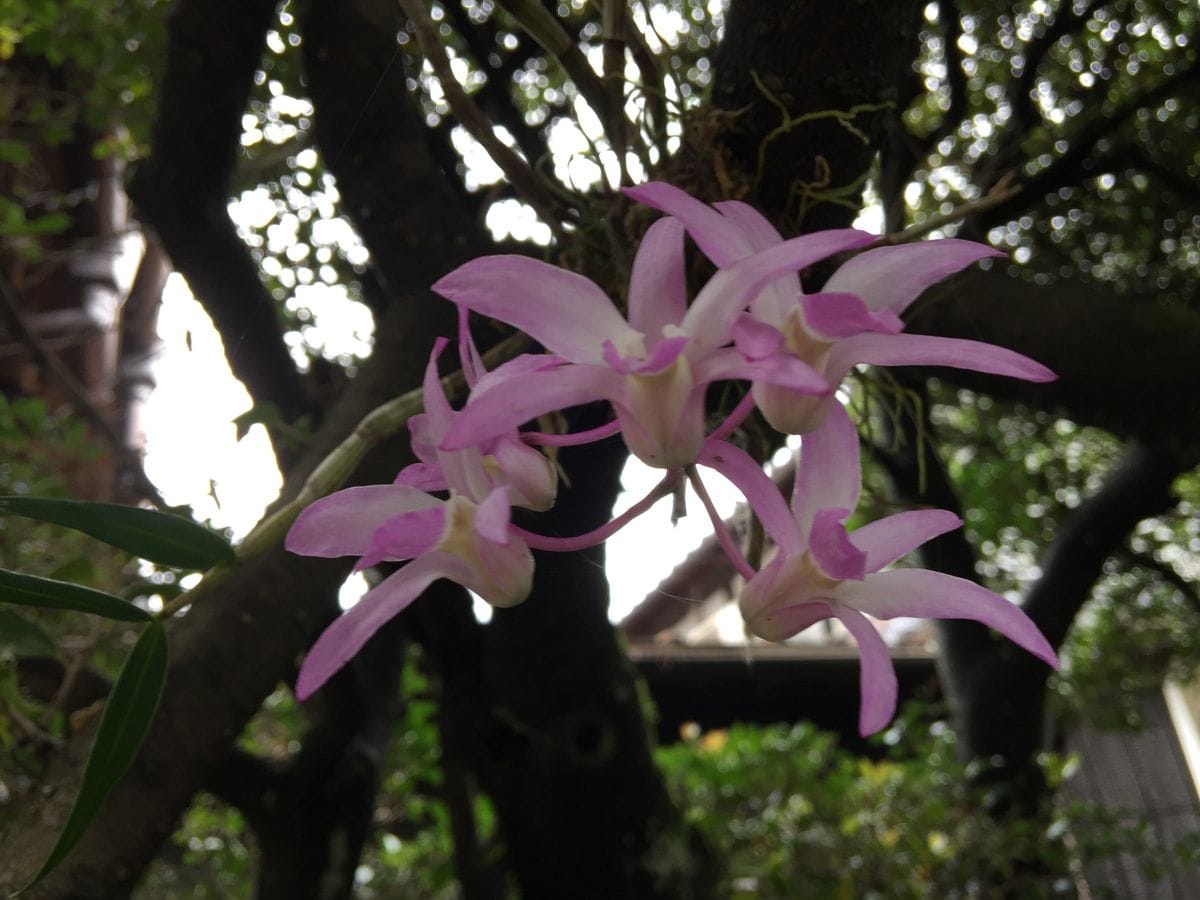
x=793 y=815
x=788 y=812
x=69 y=67
x=411 y=851
x=56 y=665
x=1019 y=473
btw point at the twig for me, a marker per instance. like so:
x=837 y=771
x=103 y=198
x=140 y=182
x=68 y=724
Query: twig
x=72 y=669
x=523 y=178
x=1167 y=573
x=543 y=27
x=1003 y=191
x=654 y=107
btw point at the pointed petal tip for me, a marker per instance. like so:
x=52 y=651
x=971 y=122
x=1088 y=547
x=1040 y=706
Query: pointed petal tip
x=1045 y=653
x=870 y=723
x=302 y=689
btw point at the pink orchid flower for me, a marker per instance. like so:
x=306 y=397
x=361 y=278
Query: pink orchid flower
x=473 y=471
x=821 y=571
x=467 y=539
x=654 y=367
x=468 y=543
x=854 y=319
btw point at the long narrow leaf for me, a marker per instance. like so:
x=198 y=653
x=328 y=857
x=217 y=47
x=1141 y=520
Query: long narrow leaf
x=127 y=716
x=156 y=536
x=30 y=590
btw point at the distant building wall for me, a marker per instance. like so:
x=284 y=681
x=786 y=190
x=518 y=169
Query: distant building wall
x=1146 y=774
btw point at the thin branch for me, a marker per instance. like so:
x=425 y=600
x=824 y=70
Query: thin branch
x=1071 y=167
x=1168 y=574
x=1003 y=191
x=543 y=27
x=518 y=171
x=612 y=29
x=1066 y=20
x=653 y=91
x=495 y=94
x=73 y=670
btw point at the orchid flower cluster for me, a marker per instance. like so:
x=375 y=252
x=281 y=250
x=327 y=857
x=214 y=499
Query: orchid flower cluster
x=752 y=322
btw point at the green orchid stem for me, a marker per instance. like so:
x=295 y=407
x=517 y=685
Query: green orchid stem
x=331 y=473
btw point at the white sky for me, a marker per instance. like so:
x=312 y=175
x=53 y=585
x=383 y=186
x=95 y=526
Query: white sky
x=192 y=450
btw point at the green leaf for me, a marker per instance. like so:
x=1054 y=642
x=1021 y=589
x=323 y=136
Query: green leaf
x=23 y=638
x=156 y=536
x=127 y=717
x=51 y=223
x=30 y=590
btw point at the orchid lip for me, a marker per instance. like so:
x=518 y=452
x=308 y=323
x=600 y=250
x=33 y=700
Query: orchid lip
x=665 y=352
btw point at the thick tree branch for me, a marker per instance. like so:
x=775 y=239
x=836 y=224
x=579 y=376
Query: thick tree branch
x=271 y=608
x=181 y=190
x=320 y=816
x=249 y=784
x=546 y=702
x=409 y=209
x=812 y=169
x=998 y=690
x=1113 y=354
x=908 y=455
x=1139 y=487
